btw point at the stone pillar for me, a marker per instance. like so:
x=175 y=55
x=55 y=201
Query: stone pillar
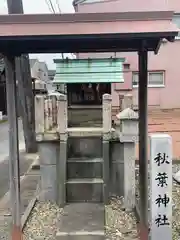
x=39 y=122
x=48 y=147
x=128 y=137
x=61 y=167
x=39 y=114
x=107 y=122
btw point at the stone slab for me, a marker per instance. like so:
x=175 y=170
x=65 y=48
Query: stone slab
x=82 y=217
x=85 y=132
x=81 y=236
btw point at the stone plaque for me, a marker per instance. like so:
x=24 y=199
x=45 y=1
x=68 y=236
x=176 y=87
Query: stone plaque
x=161 y=187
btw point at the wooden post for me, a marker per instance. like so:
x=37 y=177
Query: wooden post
x=14 y=170
x=143 y=141
x=61 y=169
x=25 y=88
x=161 y=187
x=107 y=122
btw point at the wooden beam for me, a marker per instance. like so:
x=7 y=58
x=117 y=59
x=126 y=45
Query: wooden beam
x=143 y=141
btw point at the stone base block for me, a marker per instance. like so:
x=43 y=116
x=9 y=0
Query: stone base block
x=86 y=169
x=84 y=191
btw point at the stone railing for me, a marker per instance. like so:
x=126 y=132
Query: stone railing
x=48 y=113
x=118 y=145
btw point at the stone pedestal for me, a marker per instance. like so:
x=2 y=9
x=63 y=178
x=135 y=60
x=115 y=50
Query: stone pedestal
x=49 y=156
x=128 y=137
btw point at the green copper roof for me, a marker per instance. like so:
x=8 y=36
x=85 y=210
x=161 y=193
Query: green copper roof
x=95 y=70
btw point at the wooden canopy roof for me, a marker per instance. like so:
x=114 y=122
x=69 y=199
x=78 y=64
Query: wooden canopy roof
x=79 y=32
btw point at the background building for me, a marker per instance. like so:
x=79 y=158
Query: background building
x=164 y=70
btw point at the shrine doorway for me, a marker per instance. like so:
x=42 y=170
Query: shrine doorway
x=87 y=94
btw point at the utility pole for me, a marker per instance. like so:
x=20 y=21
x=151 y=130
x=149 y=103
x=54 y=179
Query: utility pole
x=26 y=97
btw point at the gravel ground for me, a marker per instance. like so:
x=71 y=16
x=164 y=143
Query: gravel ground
x=42 y=223
x=122 y=225
x=119 y=223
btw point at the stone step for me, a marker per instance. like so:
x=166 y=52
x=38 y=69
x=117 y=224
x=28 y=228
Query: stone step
x=84 y=168
x=99 y=235
x=85 y=132
x=82 y=221
x=84 y=190
x=87 y=147
x=85 y=160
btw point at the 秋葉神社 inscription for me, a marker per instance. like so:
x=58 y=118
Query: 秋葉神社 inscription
x=160 y=187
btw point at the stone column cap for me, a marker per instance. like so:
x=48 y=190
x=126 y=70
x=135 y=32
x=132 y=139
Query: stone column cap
x=127 y=114
x=54 y=93
x=107 y=96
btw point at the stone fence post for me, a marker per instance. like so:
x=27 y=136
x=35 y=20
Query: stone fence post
x=128 y=137
x=39 y=114
x=61 y=167
x=48 y=145
x=107 y=125
x=127 y=101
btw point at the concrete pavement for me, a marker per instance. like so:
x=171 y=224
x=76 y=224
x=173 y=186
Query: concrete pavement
x=4 y=172
x=28 y=189
x=4 y=156
x=29 y=179
x=4 y=140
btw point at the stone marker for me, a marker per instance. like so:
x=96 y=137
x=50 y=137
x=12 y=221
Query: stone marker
x=161 y=187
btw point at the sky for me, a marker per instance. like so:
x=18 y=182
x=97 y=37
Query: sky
x=40 y=6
